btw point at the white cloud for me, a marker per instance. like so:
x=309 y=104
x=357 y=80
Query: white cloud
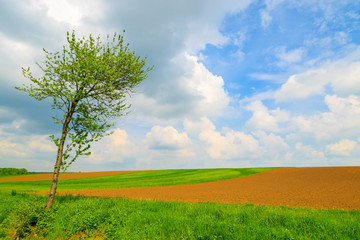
x=342 y=121
x=308 y=154
x=238 y=40
x=185 y=25
x=113 y=148
x=167 y=138
x=8 y=148
x=72 y=12
x=207 y=87
x=345 y=79
x=272 y=143
x=341 y=38
x=15 y=54
x=190 y=90
x=289 y=57
x=302 y=85
x=120 y=143
x=231 y=145
x=265 y=13
x=274 y=150
x=227 y=144
x=265 y=119
x=342 y=75
x=171 y=37
x=343 y=147
x=276 y=78
x=265 y=18
x=195 y=128
x=42 y=143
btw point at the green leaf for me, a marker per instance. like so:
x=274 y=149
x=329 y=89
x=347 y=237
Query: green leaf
x=88 y=81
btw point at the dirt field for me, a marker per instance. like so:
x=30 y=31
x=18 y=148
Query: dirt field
x=321 y=187
x=62 y=176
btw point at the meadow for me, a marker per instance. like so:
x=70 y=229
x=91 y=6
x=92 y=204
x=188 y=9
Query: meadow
x=77 y=217
x=137 y=179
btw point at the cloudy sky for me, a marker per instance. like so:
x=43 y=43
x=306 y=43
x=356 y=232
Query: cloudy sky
x=236 y=83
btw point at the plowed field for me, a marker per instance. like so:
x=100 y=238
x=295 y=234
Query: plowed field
x=62 y=176
x=318 y=187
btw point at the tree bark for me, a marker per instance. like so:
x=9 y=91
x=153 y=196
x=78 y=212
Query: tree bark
x=59 y=157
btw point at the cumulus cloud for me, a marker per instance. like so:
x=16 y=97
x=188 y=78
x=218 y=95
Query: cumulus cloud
x=342 y=119
x=344 y=147
x=205 y=86
x=190 y=90
x=302 y=85
x=273 y=150
x=227 y=144
x=42 y=143
x=308 y=154
x=114 y=148
x=265 y=119
x=179 y=86
x=188 y=25
x=230 y=144
x=15 y=53
x=272 y=143
x=72 y=12
x=8 y=148
x=195 y=128
x=166 y=147
x=167 y=138
x=343 y=76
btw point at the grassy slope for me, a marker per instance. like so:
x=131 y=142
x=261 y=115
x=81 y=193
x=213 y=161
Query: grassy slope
x=75 y=217
x=138 y=179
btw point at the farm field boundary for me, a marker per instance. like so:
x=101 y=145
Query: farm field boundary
x=62 y=176
x=134 y=179
x=314 y=187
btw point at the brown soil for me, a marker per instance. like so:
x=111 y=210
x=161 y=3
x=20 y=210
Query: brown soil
x=318 y=187
x=62 y=176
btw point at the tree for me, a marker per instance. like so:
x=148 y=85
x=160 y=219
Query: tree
x=88 y=82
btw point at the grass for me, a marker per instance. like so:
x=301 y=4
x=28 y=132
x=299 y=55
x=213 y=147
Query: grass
x=137 y=179
x=76 y=217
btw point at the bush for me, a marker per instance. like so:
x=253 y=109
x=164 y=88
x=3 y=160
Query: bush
x=13 y=171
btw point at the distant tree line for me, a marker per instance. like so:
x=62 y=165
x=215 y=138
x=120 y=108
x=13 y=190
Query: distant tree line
x=13 y=171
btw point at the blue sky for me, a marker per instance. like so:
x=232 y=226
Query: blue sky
x=235 y=83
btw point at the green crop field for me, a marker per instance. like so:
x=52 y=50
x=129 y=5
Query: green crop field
x=22 y=216
x=75 y=217
x=137 y=179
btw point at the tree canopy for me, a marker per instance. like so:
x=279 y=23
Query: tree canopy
x=88 y=81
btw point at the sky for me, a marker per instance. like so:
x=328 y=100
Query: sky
x=235 y=83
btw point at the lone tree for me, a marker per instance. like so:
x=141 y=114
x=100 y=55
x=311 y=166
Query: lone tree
x=88 y=82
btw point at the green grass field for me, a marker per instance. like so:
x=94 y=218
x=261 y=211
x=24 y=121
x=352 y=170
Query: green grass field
x=74 y=217
x=137 y=179
x=23 y=216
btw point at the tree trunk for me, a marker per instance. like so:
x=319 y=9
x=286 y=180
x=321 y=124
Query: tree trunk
x=59 y=157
